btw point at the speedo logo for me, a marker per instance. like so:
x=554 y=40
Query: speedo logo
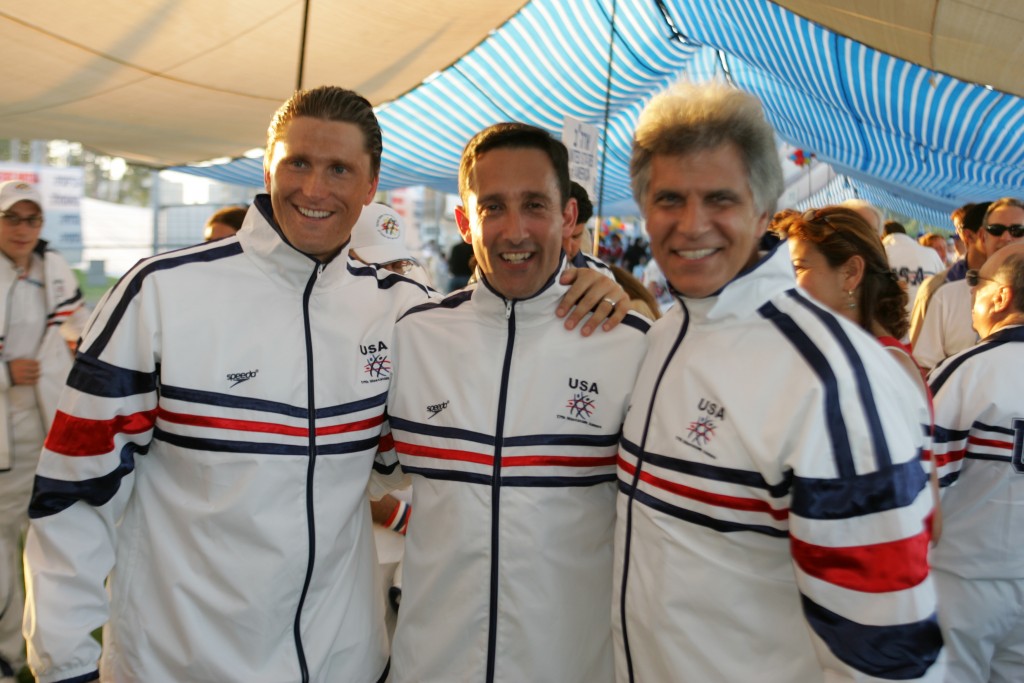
x=436 y=408
x=239 y=377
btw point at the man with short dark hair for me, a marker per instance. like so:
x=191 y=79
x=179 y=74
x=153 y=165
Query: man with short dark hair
x=772 y=498
x=979 y=431
x=224 y=223
x=946 y=328
x=577 y=246
x=910 y=262
x=967 y=221
x=213 y=447
x=508 y=425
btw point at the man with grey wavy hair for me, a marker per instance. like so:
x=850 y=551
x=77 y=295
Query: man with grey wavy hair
x=788 y=527
x=714 y=116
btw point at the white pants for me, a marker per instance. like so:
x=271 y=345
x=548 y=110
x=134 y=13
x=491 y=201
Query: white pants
x=982 y=622
x=15 y=492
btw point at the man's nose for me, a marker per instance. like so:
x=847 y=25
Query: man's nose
x=314 y=185
x=516 y=227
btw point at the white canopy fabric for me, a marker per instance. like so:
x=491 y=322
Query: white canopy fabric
x=168 y=81
x=175 y=81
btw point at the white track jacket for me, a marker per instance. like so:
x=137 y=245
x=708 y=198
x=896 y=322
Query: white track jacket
x=509 y=425
x=978 y=447
x=211 y=455
x=772 y=498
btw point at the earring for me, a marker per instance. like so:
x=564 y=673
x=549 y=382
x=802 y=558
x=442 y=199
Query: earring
x=852 y=303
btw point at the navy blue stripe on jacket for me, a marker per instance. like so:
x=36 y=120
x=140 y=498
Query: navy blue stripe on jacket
x=874 y=420
x=835 y=425
x=192 y=254
x=706 y=471
x=900 y=652
x=50 y=496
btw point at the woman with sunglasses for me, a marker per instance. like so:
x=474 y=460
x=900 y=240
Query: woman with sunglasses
x=840 y=261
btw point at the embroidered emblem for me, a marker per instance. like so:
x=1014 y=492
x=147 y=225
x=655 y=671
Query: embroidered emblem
x=582 y=403
x=376 y=365
x=387 y=225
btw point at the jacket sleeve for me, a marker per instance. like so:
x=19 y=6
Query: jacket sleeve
x=952 y=428
x=858 y=536
x=387 y=474
x=105 y=417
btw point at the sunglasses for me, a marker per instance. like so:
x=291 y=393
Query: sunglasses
x=996 y=229
x=973 y=278
x=14 y=220
x=811 y=215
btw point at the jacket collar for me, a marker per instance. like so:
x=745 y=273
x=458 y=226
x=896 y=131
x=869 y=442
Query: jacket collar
x=262 y=240
x=537 y=308
x=744 y=294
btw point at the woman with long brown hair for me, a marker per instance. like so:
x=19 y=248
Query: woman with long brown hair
x=840 y=261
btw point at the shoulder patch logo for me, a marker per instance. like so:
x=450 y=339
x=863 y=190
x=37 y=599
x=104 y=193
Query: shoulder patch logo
x=239 y=377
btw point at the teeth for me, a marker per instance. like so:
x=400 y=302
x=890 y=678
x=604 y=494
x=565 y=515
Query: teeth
x=310 y=213
x=517 y=257
x=694 y=254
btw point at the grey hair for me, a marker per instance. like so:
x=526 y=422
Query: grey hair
x=861 y=205
x=691 y=118
x=1012 y=269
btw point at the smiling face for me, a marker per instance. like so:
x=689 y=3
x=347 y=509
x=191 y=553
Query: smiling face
x=1004 y=215
x=701 y=218
x=319 y=178
x=514 y=218
x=814 y=274
x=18 y=241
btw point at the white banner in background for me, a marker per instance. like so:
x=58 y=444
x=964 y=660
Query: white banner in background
x=581 y=140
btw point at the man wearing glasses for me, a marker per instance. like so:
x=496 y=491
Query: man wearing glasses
x=38 y=301
x=979 y=433
x=946 y=329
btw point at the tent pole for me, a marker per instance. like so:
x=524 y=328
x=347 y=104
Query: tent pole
x=607 y=110
x=302 y=46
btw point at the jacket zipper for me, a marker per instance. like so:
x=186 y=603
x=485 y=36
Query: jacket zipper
x=7 y=417
x=632 y=489
x=310 y=471
x=492 y=620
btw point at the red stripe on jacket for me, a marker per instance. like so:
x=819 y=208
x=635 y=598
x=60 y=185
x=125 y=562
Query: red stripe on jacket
x=877 y=568
x=717 y=499
x=78 y=436
x=506 y=461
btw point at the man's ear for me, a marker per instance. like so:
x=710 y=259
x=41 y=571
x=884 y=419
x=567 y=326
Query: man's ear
x=853 y=272
x=462 y=220
x=266 y=174
x=569 y=215
x=373 y=191
x=1002 y=300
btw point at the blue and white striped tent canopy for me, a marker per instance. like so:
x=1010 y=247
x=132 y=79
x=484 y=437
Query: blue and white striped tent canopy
x=907 y=138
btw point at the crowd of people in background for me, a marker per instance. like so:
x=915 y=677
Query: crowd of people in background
x=792 y=435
